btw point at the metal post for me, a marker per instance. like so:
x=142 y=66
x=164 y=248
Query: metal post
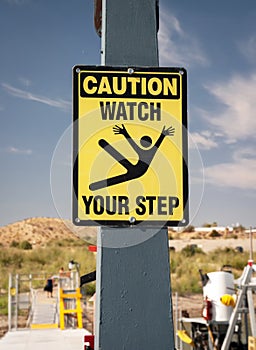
x=133 y=308
x=10 y=303
x=16 y=300
x=129 y=33
x=30 y=281
x=176 y=318
x=251 y=312
x=251 y=244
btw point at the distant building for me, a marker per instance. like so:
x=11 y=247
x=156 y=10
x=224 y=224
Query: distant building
x=220 y=229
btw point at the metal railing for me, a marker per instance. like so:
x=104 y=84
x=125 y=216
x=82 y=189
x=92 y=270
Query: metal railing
x=22 y=293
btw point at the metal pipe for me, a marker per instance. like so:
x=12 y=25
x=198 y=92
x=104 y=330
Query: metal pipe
x=10 y=303
x=251 y=245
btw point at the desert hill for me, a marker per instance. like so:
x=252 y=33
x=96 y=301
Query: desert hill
x=39 y=231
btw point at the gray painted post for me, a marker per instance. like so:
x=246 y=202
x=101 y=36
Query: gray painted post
x=133 y=307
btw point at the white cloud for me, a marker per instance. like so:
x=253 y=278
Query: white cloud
x=58 y=103
x=236 y=104
x=240 y=173
x=176 y=48
x=15 y=150
x=204 y=140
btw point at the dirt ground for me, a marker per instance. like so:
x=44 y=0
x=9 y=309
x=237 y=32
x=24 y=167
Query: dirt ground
x=3 y=325
x=190 y=304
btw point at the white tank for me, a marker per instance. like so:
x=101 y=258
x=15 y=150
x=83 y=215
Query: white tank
x=219 y=283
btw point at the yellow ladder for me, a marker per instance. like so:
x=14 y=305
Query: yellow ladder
x=76 y=295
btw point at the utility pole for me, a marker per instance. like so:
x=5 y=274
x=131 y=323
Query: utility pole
x=134 y=307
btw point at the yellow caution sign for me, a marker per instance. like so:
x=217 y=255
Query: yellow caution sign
x=130 y=146
x=13 y=291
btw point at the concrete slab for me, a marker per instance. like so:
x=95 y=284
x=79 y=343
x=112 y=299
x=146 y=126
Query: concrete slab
x=50 y=339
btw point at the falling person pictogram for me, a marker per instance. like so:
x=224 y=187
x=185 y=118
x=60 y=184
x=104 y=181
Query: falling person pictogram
x=145 y=153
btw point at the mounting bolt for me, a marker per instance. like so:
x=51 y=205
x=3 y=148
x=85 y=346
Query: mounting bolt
x=132 y=220
x=130 y=70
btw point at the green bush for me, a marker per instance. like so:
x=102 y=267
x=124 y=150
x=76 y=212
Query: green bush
x=4 y=304
x=67 y=242
x=26 y=245
x=189 y=228
x=184 y=265
x=233 y=235
x=214 y=234
x=42 y=256
x=173 y=265
x=14 y=244
x=191 y=250
x=90 y=288
x=10 y=258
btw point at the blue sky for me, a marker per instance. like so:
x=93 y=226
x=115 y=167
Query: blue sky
x=41 y=40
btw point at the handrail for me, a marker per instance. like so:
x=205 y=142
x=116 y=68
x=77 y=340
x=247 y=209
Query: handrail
x=33 y=293
x=29 y=283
